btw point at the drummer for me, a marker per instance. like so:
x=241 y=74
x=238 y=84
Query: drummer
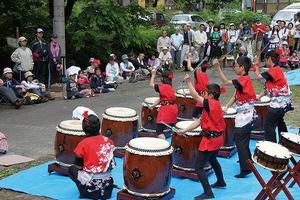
x=94 y=162
x=168 y=110
x=201 y=82
x=213 y=125
x=244 y=98
x=276 y=86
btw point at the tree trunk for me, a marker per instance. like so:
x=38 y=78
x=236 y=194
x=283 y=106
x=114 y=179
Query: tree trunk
x=59 y=24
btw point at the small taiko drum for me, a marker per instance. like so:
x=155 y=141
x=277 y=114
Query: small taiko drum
x=261 y=108
x=68 y=134
x=271 y=156
x=120 y=125
x=147 y=167
x=291 y=142
x=186 y=148
x=185 y=103
x=229 y=117
x=149 y=116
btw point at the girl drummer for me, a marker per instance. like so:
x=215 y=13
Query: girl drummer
x=94 y=162
x=201 y=82
x=244 y=98
x=213 y=125
x=168 y=109
x=276 y=86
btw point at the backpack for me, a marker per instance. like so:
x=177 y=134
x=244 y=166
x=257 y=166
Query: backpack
x=3 y=144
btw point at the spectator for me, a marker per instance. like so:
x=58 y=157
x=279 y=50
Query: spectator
x=274 y=37
x=40 y=56
x=209 y=28
x=258 y=30
x=296 y=36
x=163 y=41
x=22 y=56
x=98 y=84
x=141 y=68
x=176 y=46
x=283 y=31
x=284 y=56
x=200 y=40
x=9 y=95
x=293 y=60
x=187 y=43
x=290 y=30
x=91 y=69
x=266 y=43
x=83 y=81
x=216 y=43
x=245 y=38
x=242 y=52
x=12 y=83
x=72 y=88
x=194 y=58
x=112 y=71
x=127 y=69
x=54 y=52
x=232 y=37
x=165 y=58
x=153 y=62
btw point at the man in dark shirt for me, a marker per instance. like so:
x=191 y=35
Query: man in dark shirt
x=187 y=42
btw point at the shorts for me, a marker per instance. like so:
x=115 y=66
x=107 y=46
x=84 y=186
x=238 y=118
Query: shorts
x=197 y=112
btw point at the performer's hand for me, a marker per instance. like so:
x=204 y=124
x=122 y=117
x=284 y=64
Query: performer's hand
x=224 y=109
x=216 y=63
x=187 y=78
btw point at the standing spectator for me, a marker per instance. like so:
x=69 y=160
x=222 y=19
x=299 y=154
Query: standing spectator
x=274 y=37
x=258 y=30
x=209 y=28
x=290 y=30
x=10 y=96
x=245 y=38
x=189 y=26
x=200 y=40
x=187 y=42
x=22 y=56
x=266 y=43
x=283 y=31
x=296 y=36
x=112 y=70
x=163 y=41
x=40 y=56
x=176 y=46
x=54 y=52
x=232 y=37
x=216 y=43
x=127 y=69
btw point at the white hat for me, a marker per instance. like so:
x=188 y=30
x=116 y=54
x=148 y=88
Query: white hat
x=284 y=43
x=165 y=48
x=21 y=39
x=27 y=74
x=7 y=70
x=39 y=30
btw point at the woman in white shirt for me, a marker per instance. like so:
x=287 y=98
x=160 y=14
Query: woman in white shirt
x=112 y=71
x=274 y=37
x=232 y=37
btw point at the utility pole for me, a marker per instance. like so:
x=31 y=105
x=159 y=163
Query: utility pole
x=59 y=24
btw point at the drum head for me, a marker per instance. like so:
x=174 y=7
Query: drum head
x=183 y=93
x=149 y=146
x=185 y=124
x=150 y=100
x=273 y=149
x=292 y=137
x=264 y=100
x=120 y=114
x=230 y=113
x=72 y=127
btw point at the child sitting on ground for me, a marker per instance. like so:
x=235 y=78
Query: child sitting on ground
x=82 y=81
x=97 y=83
x=293 y=60
x=91 y=69
x=72 y=88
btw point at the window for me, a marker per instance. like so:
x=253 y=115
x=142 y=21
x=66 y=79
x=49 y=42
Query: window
x=196 y=18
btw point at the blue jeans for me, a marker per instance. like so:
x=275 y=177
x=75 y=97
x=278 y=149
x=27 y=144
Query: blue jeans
x=8 y=94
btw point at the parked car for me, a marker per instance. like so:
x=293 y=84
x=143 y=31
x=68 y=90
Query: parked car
x=286 y=15
x=292 y=6
x=224 y=12
x=181 y=19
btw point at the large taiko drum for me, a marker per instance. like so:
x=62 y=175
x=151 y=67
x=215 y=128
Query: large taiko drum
x=186 y=148
x=120 y=125
x=68 y=134
x=185 y=103
x=271 y=156
x=261 y=108
x=147 y=167
x=291 y=142
x=149 y=116
x=229 y=117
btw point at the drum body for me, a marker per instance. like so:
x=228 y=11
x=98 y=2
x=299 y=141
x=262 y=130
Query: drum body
x=120 y=125
x=291 y=142
x=186 y=104
x=229 y=117
x=147 y=167
x=261 y=108
x=186 y=148
x=271 y=156
x=68 y=134
x=149 y=116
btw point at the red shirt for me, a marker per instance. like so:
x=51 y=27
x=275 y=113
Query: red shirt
x=260 y=34
x=166 y=113
x=279 y=85
x=96 y=152
x=212 y=119
x=245 y=92
x=201 y=82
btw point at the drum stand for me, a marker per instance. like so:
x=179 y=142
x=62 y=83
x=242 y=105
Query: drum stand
x=227 y=152
x=124 y=195
x=276 y=182
x=294 y=172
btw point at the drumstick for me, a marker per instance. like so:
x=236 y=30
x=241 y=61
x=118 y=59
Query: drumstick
x=181 y=87
x=173 y=128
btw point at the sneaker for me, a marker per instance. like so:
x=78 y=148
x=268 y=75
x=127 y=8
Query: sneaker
x=243 y=174
x=205 y=196
x=218 y=185
x=18 y=103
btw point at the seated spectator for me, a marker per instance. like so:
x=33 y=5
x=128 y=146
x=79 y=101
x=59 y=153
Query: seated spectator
x=195 y=58
x=127 y=69
x=153 y=62
x=12 y=83
x=10 y=96
x=165 y=58
x=98 y=84
x=293 y=60
x=35 y=87
x=73 y=70
x=242 y=51
x=141 y=68
x=72 y=88
x=112 y=71
x=91 y=69
x=285 y=52
x=82 y=81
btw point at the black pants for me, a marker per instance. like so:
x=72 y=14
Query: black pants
x=91 y=191
x=202 y=158
x=40 y=71
x=194 y=65
x=242 y=140
x=274 y=118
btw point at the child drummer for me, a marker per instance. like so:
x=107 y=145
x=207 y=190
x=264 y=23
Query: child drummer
x=244 y=98
x=276 y=86
x=213 y=125
x=94 y=162
x=168 y=109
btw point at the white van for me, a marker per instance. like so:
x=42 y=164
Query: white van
x=286 y=15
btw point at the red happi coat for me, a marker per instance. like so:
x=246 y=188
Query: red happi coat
x=279 y=85
x=248 y=94
x=201 y=82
